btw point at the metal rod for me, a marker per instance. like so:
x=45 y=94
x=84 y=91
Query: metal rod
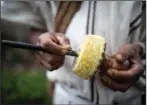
x=23 y=45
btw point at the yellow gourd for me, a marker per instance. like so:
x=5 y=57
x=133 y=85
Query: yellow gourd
x=91 y=53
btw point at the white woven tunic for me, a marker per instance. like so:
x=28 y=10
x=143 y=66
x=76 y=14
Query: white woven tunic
x=112 y=21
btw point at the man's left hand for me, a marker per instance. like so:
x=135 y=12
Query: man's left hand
x=121 y=79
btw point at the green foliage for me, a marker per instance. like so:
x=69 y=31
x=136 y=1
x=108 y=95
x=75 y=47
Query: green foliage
x=24 y=88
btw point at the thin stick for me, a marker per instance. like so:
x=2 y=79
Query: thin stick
x=22 y=45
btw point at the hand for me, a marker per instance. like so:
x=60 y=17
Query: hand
x=58 y=45
x=120 y=78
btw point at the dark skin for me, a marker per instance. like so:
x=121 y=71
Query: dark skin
x=125 y=68
x=37 y=35
x=123 y=71
x=56 y=43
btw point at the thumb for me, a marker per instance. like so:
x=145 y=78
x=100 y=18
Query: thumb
x=63 y=41
x=122 y=55
x=120 y=58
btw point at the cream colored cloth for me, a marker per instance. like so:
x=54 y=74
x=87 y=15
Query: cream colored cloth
x=112 y=21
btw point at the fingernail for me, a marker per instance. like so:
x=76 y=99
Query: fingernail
x=65 y=49
x=126 y=64
x=67 y=46
x=110 y=72
x=119 y=57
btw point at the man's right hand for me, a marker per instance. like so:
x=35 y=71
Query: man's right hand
x=58 y=45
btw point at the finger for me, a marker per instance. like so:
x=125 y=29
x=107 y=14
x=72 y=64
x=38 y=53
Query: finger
x=56 y=60
x=139 y=47
x=124 y=53
x=105 y=64
x=57 y=65
x=44 y=63
x=108 y=82
x=47 y=57
x=119 y=66
x=53 y=60
x=120 y=58
x=125 y=75
x=54 y=48
x=52 y=45
x=122 y=66
x=126 y=64
x=64 y=41
x=38 y=60
x=128 y=51
x=137 y=67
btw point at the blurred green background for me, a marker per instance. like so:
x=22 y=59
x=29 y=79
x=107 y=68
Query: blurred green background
x=23 y=82
x=24 y=88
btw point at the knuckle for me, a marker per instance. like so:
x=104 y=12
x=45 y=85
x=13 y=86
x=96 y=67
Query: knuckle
x=44 y=38
x=63 y=37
